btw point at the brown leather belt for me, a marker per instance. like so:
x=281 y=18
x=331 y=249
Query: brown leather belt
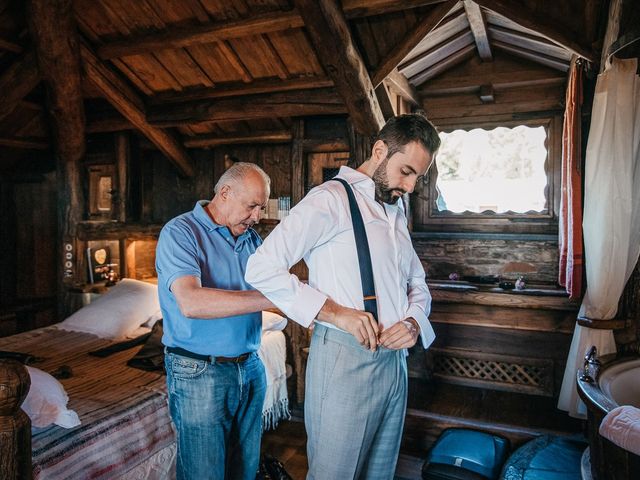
x=208 y=358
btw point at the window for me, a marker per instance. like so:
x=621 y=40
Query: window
x=494 y=177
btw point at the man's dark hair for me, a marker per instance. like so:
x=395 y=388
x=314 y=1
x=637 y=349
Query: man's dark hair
x=404 y=129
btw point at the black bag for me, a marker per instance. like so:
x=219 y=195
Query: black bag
x=271 y=469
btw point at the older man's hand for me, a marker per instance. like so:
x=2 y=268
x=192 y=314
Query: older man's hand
x=403 y=334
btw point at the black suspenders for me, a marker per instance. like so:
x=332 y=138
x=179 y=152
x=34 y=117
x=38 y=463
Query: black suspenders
x=364 y=255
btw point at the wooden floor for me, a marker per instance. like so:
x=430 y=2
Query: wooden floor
x=431 y=408
x=288 y=444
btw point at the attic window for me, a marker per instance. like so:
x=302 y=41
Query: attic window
x=493 y=177
x=501 y=170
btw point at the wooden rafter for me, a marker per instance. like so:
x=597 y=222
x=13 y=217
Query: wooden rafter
x=266 y=85
x=131 y=106
x=479 y=29
x=107 y=122
x=367 y=8
x=533 y=55
x=10 y=46
x=399 y=83
x=449 y=62
x=187 y=36
x=515 y=11
x=178 y=37
x=282 y=104
x=410 y=41
x=27 y=143
x=329 y=33
x=208 y=140
x=17 y=81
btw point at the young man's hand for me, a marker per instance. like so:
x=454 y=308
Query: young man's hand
x=360 y=324
x=403 y=334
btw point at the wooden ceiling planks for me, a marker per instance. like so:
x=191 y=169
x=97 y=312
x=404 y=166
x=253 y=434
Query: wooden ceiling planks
x=437 y=54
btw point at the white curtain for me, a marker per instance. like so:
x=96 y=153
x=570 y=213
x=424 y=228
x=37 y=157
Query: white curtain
x=611 y=223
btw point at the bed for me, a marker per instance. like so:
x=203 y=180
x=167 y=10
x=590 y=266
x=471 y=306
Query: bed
x=126 y=431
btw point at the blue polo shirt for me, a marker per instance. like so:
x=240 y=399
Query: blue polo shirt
x=192 y=244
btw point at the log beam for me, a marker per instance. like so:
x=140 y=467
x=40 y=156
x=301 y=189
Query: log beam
x=410 y=41
x=284 y=104
x=26 y=143
x=17 y=81
x=207 y=140
x=131 y=106
x=479 y=29
x=514 y=10
x=329 y=34
x=267 y=85
x=54 y=33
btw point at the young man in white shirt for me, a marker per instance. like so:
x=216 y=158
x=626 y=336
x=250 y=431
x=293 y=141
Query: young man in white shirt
x=356 y=388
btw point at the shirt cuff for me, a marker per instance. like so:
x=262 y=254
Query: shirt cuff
x=426 y=330
x=307 y=305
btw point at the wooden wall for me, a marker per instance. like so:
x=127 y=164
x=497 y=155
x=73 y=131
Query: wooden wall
x=29 y=261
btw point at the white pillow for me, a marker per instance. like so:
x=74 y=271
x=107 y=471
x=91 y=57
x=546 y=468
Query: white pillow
x=46 y=402
x=117 y=313
x=273 y=321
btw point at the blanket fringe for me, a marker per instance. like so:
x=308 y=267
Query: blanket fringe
x=272 y=416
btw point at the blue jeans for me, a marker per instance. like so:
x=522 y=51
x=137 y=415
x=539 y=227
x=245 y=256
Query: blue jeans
x=217 y=411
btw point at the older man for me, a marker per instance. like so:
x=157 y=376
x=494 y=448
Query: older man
x=356 y=385
x=212 y=325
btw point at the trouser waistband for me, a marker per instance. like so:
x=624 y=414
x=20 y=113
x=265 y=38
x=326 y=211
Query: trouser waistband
x=328 y=334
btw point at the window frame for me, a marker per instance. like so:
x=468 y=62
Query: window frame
x=428 y=218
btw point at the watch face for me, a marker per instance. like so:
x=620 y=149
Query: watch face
x=100 y=256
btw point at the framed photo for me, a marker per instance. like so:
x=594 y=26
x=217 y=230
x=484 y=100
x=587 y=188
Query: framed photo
x=99 y=261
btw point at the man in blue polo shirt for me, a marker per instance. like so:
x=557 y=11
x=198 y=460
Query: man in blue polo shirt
x=212 y=326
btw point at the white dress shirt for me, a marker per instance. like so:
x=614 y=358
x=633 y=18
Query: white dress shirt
x=320 y=231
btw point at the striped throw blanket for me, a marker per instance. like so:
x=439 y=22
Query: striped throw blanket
x=123 y=410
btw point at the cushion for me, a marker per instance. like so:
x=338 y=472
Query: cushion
x=273 y=321
x=117 y=313
x=46 y=402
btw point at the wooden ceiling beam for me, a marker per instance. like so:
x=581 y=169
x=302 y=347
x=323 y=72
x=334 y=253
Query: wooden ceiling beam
x=55 y=37
x=553 y=62
x=131 y=106
x=8 y=46
x=368 y=8
x=526 y=78
x=410 y=40
x=554 y=31
x=330 y=35
x=209 y=140
x=193 y=35
x=107 y=122
x=257 y=86
x=478 y=26
x=296 y=103
x=399 y=83
x=17 y=81
x=458 y=57
x=26 y=143
x=260 y=24
x=524 y=40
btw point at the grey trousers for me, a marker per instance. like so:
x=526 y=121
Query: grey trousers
x=355 y=403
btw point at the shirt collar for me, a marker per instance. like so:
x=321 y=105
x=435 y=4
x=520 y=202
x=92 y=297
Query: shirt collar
x=364 y=182
x=207 y=221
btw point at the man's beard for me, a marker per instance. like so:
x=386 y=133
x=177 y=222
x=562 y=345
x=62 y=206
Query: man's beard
x=384 y=193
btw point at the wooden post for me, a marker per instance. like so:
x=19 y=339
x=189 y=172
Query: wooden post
x=297 y=162
x=123 y=155
x=54 y=34
x=359 y=146
x=15 y=425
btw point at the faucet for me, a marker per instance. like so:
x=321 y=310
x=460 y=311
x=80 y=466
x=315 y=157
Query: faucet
x=591 y=365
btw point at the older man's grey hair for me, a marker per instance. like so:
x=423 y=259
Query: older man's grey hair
x=237 y=172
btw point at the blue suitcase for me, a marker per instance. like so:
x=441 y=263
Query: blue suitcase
x=463 y=454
